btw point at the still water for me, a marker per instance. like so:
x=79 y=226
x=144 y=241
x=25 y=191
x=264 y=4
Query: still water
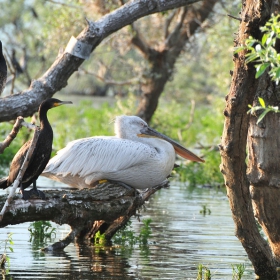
x=182 y=238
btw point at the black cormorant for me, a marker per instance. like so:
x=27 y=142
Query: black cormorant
x=40 y=156
x=3 y=70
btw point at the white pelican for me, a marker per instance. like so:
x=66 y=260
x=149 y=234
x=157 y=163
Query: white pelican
x=137 y=155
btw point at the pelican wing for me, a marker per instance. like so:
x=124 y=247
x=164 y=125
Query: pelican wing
x=93 y=158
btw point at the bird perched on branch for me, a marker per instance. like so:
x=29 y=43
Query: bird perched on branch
x=3 y=70
x=39 y=157
x=137 y=155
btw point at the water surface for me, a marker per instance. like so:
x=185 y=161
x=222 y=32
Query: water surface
x=182 y=238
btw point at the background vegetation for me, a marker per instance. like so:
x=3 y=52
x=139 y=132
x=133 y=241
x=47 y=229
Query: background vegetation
x=200 y=81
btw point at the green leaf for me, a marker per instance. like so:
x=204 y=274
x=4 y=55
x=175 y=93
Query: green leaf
x=262 y=115
x=11 y=249
x=262 y=102
x=261 y=69
x=264 y=38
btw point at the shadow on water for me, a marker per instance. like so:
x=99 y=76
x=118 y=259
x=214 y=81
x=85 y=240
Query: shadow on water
x=189 y=227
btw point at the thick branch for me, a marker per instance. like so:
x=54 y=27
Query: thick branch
x=65 y=65
x=81 y=209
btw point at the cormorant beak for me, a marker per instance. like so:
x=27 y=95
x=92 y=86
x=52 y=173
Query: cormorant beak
x=179 y=149
x=56 y=104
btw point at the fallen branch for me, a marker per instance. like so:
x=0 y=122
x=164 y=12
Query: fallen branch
x=109 y=203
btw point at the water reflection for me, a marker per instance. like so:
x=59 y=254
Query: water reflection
x=182 y=238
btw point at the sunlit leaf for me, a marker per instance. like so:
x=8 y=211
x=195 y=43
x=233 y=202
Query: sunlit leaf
x=261 y=69
x=262 y=102
x=262 y=115
x=258 y=48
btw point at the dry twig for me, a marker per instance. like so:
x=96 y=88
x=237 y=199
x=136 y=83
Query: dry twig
x=21 y=173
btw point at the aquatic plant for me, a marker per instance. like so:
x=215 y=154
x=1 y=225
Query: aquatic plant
x=8 y=243
x=238 y=271
x=207 y=273
x=126 y=235
x=41 y=230
x=205 y=210
x=99 y=239
x=145 y=232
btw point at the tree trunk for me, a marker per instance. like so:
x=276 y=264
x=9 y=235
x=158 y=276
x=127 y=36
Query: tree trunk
x=244 y=89
x=163 y=59
x=263 y=168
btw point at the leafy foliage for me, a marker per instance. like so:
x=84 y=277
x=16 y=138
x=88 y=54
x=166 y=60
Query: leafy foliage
x=264 y=108
x=262 y=52
x=126 y=235
x=41 y=230
x=8 y=245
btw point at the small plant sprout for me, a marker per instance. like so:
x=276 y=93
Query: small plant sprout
x=127 y=234
x=8 y=243
x=99 y=239
x=207 y=273
x=238 y=271
x=266 y=109
x=41 y=230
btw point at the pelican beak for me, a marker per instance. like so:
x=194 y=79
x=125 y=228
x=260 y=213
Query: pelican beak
x=61 y=103
x=179 y=149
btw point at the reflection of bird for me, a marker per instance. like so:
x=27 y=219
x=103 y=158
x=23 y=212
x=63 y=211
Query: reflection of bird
x=138 y=156
x=40 y=156
x=3 y=70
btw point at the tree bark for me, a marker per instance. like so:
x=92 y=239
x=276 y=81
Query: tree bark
x=244 y=89
x=84 y=210
x=163 y=59
x=263 y=167
x=27 y=102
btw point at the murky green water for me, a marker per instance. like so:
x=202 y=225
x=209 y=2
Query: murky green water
x=182 y=238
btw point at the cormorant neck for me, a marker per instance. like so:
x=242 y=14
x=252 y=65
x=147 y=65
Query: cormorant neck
x=44 y=122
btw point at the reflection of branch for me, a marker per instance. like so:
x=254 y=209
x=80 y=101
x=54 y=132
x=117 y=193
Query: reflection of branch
x=188 y=125
x=24 y=166
x=111 y=82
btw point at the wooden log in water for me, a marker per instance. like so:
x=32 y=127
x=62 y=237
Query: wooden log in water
x=105 y=208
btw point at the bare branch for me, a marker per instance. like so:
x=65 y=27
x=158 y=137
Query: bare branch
x=175 y=34
x=168 y=22
x=239 y=19
x=21 y=173
x=139 y=41
x=12 y=135
x=111 y=82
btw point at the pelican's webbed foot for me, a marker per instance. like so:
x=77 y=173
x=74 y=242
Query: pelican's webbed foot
x=128 y=187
